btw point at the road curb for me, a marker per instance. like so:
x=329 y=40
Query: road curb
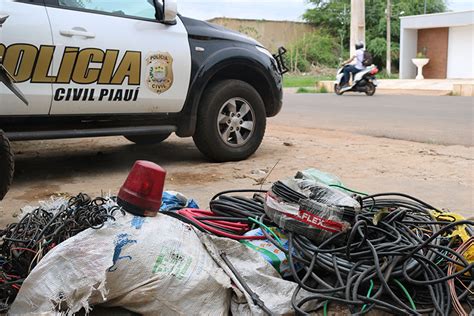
x=426 y=87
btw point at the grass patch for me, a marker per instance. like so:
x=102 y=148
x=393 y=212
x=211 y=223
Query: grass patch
x=297 y=81
x=312 y=90
x=306 y=90
x=294 y=80
x=383 y=75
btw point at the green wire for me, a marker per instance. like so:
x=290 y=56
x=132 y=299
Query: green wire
x=267 y=229
x=325 y=311
x=412 y=303
x=441 y=260
x=368 y=294
x=347 y=189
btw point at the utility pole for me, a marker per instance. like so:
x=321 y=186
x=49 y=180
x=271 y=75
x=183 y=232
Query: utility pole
x=424 y=11
x=343 y=20
x=357 y=23
x=389 y=38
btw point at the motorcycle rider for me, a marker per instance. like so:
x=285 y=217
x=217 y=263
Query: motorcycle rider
x=353 y=68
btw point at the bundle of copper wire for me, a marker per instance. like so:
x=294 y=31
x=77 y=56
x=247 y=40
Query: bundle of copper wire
x=458 y=307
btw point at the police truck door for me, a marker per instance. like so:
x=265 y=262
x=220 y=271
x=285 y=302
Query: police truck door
x=115 y=57
x=26 y=54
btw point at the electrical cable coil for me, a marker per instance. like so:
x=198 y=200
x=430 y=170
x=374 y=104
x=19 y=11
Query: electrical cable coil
x=229 y=216
x=398 y=265
x=396 y=257
x=25 y=243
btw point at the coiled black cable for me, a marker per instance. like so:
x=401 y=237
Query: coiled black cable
x=397 y=265
x=25 y=243
x=394 y=258
x=239 y=206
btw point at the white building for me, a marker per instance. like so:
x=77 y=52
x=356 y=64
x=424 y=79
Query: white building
x=446 y=38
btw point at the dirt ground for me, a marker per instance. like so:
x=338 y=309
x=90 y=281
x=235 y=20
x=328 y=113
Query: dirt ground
x=440 y=175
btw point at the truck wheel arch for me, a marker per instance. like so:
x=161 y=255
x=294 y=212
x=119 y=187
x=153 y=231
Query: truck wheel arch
x=249 y=75
x=241 y=68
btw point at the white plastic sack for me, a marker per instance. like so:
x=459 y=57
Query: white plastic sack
x=147 y=265
x=259 y=275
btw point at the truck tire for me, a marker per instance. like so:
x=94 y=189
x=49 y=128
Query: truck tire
x=231 y=121
x=7 y=165
x=147 y=139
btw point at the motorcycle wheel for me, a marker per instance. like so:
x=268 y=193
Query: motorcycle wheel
x=370 y=91
x=337 y=89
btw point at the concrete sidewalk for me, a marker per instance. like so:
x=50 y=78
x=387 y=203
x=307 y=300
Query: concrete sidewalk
x=433 y=87
x=429 y=86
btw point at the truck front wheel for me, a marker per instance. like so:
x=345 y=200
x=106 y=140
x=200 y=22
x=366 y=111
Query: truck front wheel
x=6 y=165
x=231 y=121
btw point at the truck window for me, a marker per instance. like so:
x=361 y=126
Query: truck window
x=137 y=8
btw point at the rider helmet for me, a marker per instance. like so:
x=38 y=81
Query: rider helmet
x=360 y=45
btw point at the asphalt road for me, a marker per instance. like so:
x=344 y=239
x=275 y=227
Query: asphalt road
x=427 y=119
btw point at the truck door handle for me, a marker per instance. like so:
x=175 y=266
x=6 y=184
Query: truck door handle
x=77 y=31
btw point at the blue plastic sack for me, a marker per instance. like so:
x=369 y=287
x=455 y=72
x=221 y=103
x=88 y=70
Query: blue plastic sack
x=174 y=201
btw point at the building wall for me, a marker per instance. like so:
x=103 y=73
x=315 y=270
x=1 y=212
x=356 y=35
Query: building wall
x=435 y=41
x=408 y=40
x=272 y=34
x=461 y=52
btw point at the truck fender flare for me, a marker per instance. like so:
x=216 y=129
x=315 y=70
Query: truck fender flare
x=209 y=68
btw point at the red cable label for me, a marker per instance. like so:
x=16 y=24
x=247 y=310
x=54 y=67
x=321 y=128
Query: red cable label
x=318 y=222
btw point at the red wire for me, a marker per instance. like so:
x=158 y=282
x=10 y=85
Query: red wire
x=236 y=225
x=197 y=211
x=26 y=249
x=13 y=276
x=224 y=224
x=227 y=226
x=189 y=216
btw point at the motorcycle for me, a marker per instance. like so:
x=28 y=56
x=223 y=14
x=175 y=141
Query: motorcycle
x=363 y=81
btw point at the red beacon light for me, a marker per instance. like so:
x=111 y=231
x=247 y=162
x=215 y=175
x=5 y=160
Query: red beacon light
x=142 y=191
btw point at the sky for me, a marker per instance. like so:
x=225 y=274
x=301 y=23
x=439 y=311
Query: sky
x=290 y=10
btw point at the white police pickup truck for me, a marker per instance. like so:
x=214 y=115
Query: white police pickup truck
x=82 y=68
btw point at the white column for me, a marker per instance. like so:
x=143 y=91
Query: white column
x=408 y=45
x=388 y=64
x=357 y=23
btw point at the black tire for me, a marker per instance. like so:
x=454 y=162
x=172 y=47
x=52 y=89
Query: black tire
x=370 y=89
x=7 y=165
x=147 y=139
x=210 y=133
x=337 y=89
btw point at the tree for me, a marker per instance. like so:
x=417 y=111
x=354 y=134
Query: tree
x=317 y=48
x=327 y=14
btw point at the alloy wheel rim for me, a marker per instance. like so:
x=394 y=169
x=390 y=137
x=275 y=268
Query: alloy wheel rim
x=236 y=122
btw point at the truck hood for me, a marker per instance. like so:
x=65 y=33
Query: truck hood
x=202 y=29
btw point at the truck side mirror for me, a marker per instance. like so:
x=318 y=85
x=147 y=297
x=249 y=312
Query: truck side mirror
x=169 y=11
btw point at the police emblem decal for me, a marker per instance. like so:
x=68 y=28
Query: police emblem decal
x=159 y=72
